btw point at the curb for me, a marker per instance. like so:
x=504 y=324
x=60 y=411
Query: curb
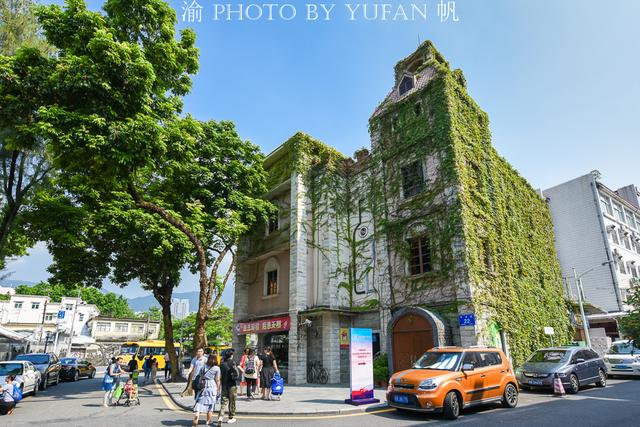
x=345 y=411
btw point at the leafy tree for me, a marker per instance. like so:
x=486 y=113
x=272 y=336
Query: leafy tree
x=218 y=327
x=109 y=304
x=153 y=313
x=24 y=165
x=115 y=134
x=630 y=324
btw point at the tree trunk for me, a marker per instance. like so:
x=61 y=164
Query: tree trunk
x=168 y=340
x=200 y=335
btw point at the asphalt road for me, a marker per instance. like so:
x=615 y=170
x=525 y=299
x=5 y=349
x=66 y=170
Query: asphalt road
x=80 y=404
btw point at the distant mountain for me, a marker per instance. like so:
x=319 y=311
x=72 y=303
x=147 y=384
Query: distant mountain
x=13 y=283
x=144 y=303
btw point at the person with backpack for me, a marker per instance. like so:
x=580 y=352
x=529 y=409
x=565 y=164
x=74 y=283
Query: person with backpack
x=207 y=386
x=229 y=386
x=251 y=365
x=7 y=399
x=146 y=366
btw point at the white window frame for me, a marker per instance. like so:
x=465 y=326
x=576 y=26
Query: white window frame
x=48 y=317
x=605 y=205
x=103 y=326
x=35 y=305
x=68 y=307
x=121 y=327
x=17 y=304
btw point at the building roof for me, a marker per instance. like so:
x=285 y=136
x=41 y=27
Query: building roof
x=124 y=319
x=11 y=335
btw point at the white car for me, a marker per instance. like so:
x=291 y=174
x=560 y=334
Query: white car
x=623 y=358
x=27 y=376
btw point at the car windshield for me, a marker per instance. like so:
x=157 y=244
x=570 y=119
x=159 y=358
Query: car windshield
x=10 y=369
x=129 y=349
x=68 y=361
x=549 y=356
x=623 y=348
x=36 y=359
x=442 y=361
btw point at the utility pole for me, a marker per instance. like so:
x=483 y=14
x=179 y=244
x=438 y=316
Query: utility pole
x=578 y=280
x=73 y=322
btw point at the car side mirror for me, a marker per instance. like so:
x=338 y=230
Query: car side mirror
x=579 y=360
x=468 y=367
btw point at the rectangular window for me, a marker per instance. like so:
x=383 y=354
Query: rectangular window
x=35 y=305
x=632 y=270
x=614 y=237
x=138 y=329
x=68 y=307
x=81 y=317
x=630 y=221
x=627 y=240
x=273 y=224
x=122 y=327
x=605 y=202
x=272 y=282
x=48 y=317
x=412 y=179
x=621 y=266
x=17 y=304
x=103 y=327
x=420 y=256
x=617 y=209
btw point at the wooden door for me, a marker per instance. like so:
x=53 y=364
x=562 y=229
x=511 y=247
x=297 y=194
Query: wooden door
x=412 y=336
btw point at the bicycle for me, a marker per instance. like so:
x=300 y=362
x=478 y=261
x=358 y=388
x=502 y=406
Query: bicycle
x=317 y=374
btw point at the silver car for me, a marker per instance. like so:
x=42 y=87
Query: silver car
x=27 y=376
x=575 y=366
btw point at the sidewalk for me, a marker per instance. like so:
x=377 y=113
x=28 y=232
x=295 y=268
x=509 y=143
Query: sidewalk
x=296 y=400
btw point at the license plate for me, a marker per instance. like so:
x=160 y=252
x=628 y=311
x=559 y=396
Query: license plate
x=621 y=367
x=535 y=382
x=399 y=398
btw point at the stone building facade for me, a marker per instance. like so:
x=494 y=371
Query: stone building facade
x=429 y=239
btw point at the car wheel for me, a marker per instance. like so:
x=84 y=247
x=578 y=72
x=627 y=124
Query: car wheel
x=76 y=376
x=602 y=382
x=43 y=383
x=92 y=374
x=57 y=379
x=574 y=384
x=452 y=405
x=510 y=396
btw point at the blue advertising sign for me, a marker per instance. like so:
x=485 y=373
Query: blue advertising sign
x=467 y=319
x=61 y=314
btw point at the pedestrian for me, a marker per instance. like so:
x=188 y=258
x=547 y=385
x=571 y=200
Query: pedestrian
x=146 y=366
x=7 y=402
x=110 y=380
x=132 y=368
x=251 y=372
x=167 y=366
x=154 y=369
x=229 y=386
x=196 y=364
x=207 y=397
x=243 y=359
x=268 y=367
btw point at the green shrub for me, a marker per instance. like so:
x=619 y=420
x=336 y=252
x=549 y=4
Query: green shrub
x=381 y=368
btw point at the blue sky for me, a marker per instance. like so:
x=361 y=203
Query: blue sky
x=558 y=78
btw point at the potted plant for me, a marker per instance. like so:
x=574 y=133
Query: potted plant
x=380 y=370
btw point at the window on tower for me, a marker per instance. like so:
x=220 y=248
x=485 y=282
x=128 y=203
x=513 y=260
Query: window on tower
x=412 y=179
x=406 y=84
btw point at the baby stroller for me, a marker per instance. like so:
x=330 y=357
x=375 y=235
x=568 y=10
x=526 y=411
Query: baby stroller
x=126 y=399
x=277 y=386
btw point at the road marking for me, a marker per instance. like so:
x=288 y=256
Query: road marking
x=169 y=403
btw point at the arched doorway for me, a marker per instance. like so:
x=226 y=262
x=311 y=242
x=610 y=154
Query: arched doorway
x=412 y=335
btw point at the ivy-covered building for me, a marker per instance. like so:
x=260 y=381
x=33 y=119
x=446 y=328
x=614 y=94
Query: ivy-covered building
x=430 y=238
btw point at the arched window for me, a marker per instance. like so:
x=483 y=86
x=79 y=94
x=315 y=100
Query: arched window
x=271 y=277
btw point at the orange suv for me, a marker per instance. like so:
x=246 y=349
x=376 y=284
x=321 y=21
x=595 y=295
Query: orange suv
x=448 y=379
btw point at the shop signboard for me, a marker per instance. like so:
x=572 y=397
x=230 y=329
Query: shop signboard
x=273 y=324
x=361 y=360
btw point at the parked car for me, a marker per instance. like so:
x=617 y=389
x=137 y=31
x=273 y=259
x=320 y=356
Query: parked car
x=623 y=358
x=72 y=368
x=575 y=366
x=27 y=376
x=448 y=379
x=48 y=365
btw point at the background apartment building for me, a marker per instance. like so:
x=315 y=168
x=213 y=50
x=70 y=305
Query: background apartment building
x=596 y=226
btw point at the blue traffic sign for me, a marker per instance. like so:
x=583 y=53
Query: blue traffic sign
x=61 y=314
x=467 y=319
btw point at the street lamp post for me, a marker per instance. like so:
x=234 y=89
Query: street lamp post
x=578 y=280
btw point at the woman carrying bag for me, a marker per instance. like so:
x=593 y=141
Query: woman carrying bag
x=110 y=380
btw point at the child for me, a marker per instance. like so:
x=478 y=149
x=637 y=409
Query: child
x=129 y=388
